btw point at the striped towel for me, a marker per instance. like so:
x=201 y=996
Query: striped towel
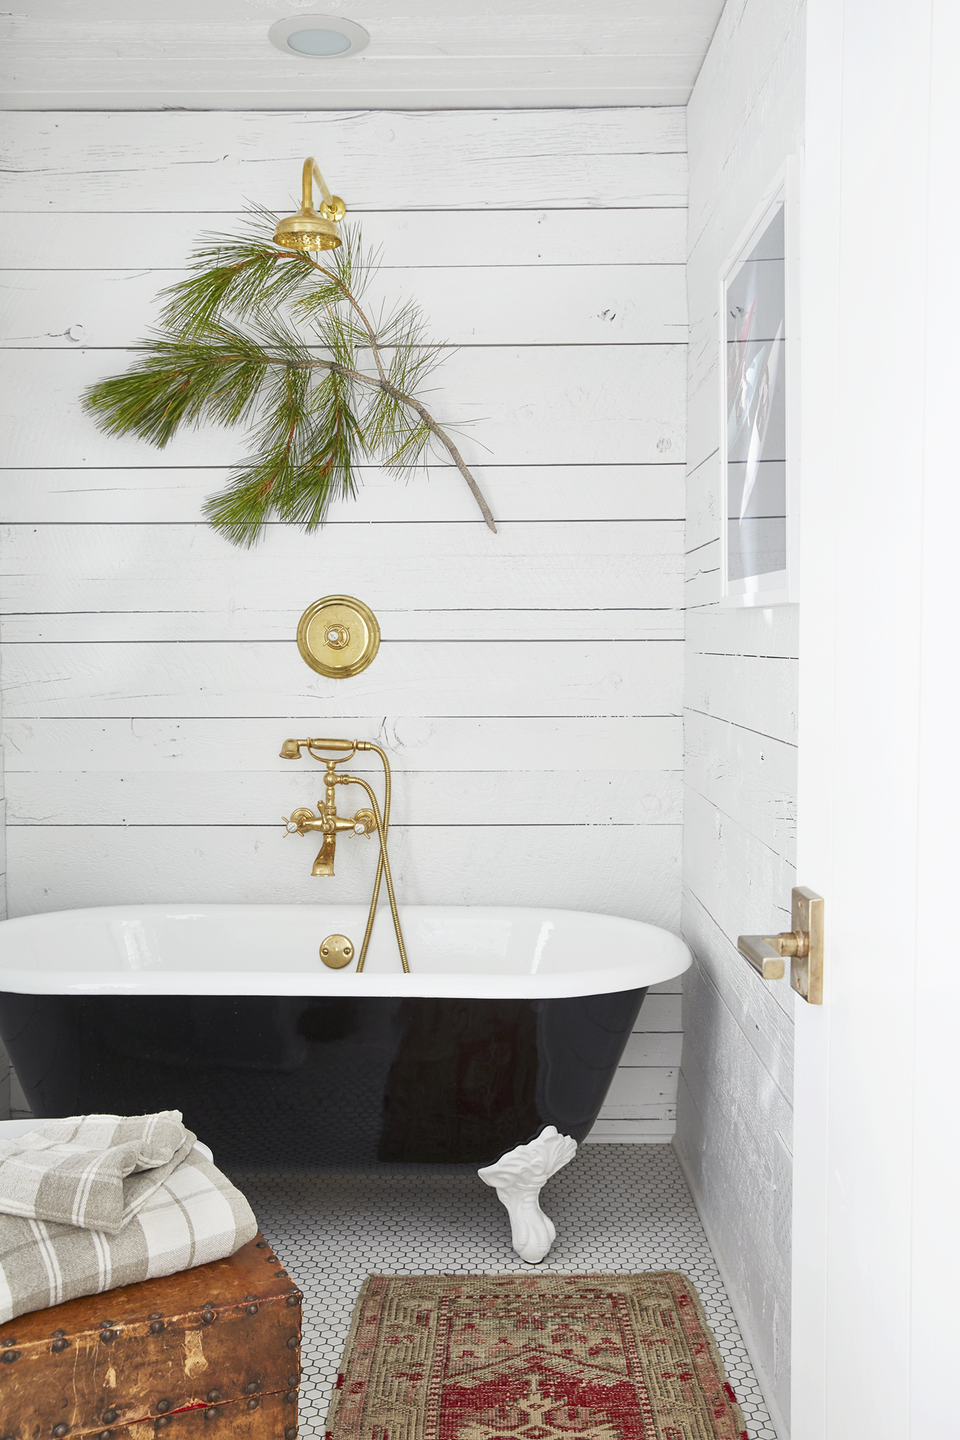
x=94 y=1171
x=193 y=1216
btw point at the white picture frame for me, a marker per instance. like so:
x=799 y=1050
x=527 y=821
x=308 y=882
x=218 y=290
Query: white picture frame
x=759 y=402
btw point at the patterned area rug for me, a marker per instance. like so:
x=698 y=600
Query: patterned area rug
x=532 y=1357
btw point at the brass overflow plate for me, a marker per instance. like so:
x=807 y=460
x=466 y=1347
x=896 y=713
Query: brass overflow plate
x=338 y=636
x=336 y=951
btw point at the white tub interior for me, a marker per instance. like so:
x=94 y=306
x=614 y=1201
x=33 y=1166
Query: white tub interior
x=274 y=950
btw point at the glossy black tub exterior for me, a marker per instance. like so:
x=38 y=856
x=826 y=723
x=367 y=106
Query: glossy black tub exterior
x=326 y=1082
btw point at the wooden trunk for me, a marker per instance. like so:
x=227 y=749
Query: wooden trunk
x=213 y=1351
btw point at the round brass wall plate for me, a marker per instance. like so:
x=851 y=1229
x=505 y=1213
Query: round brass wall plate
x=338 y=636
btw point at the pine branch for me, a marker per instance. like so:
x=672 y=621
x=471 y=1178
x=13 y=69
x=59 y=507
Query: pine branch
x=229 y=351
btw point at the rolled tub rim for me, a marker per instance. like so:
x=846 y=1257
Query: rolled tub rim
x=672 y=960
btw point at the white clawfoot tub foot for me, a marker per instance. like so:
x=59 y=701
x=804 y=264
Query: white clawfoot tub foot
x=518 y=1177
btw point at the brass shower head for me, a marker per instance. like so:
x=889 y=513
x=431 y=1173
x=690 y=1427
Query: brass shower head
x=290 y=750
x=308 y=229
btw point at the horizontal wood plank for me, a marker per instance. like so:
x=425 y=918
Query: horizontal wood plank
x=186 y=582
x=767 y=633
x=633 y=1088
x=529 y=494
x=413 y=742
x=508 y=305
x=475 y=797
x=526 y=159
x=660 y=1013
x=747 y=777
x=564 y=404
x=741 y=881
x=633 y=1132
x=652 y=1047
x=662 y=1113
x=437 y=238
x=764 y=1007
x=270 y=678
x=722 y=1013
x=756 y=692
x=598 y=625
x=632 y=872
x=703 y=502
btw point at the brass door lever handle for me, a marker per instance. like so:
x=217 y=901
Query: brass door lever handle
x=803 y=944
x=764 y=953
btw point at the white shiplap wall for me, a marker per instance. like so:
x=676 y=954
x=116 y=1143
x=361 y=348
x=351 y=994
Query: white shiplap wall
x=735 y=1116
x=528 y=686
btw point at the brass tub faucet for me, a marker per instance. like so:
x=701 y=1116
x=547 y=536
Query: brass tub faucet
x=329 y=824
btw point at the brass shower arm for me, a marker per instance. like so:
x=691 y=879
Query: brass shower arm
x=333 y=207
x=311 y=172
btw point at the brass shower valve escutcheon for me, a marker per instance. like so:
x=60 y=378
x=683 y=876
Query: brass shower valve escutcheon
x=803 y=945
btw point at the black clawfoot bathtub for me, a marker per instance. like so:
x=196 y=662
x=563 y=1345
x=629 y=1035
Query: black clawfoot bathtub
x=511 y=1020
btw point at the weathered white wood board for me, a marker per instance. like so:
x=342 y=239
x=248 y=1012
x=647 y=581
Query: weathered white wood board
x=236 y=678
x=740 y=718
x=599 y=625
x=440 y=743
x=528 y=494
x=121 y=572
x=716 y=848
x=659 y=1131
x=760 y=1007
x=618 y=870
x=768 y=634
x=650 y=1048
x=397 y=161
x=757 y=692
x=636 y=1088
x=703 y=506
x=562 y=404
x=509 y=304
x=528 y=687
x=437 y=239
x=475 y=797
x=749 y=778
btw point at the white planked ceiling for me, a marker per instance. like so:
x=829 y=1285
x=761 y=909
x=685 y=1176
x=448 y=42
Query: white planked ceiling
x=423 y=54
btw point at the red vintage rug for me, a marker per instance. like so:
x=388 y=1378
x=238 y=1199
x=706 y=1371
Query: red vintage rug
x=532 y=1357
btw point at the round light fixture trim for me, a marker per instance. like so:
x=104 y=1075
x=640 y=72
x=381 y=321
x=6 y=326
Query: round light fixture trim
x=318 y=37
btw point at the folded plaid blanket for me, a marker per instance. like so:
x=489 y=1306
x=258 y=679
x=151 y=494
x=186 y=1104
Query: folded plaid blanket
x=193 y=1216
x=95 y=1171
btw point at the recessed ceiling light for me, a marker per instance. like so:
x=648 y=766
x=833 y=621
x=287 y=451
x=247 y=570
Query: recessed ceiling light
x=318 y=37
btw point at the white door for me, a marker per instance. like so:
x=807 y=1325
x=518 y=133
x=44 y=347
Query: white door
x=876 y=1267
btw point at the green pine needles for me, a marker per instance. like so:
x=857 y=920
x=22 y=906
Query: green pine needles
x=275 y=340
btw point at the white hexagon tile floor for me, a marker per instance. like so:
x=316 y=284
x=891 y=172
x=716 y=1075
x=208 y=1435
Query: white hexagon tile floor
x=618 y=1208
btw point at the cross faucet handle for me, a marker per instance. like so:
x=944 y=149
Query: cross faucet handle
x=294 y=825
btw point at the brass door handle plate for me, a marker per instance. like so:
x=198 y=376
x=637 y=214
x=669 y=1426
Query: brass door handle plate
x=803 y=945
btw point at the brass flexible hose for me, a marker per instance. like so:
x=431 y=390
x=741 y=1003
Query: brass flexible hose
x=383 y=867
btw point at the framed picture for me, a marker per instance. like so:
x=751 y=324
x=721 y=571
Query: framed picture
x=758 y=419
